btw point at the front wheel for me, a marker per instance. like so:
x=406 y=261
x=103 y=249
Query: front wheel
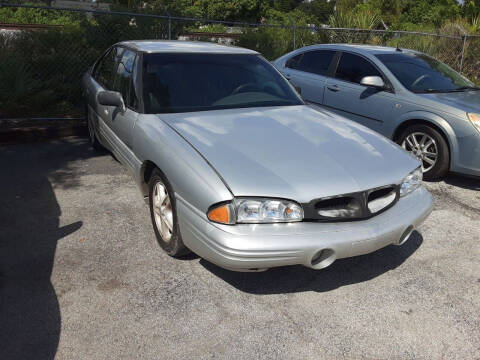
x=430 y=147
x=164 y=215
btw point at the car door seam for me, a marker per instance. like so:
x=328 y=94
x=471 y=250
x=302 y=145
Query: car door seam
x=348 y=112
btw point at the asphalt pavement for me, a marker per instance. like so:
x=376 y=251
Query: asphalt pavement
x=82 y=277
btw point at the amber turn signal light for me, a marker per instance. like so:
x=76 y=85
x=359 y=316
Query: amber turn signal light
x=222 y=214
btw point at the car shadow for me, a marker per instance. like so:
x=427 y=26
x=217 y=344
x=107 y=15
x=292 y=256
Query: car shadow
x=462 y=181
x=30 y=320
x=293 y=279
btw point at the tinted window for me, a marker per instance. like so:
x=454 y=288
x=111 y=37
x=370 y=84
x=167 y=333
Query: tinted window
x=293 y=62
x=421 y=73
x=105 y=70
x=316 y=62
x=196 y=82
x=354 y=68
x=123 y=82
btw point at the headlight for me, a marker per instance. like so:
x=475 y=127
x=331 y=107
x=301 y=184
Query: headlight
x=411 y=182
x=475 y=119
x=256 y=210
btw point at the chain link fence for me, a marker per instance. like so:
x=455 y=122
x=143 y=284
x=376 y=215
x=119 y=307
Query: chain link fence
x=41 y=66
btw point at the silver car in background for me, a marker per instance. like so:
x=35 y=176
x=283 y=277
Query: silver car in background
x=411 y=98
x=236 y=168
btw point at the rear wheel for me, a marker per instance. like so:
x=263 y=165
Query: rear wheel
x=430 y=147
x=164 y=215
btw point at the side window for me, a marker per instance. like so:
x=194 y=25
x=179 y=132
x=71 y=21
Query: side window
x=293 y=62
x=104 y=70
x=124 y=82
x=316 y=62
x=353 y=68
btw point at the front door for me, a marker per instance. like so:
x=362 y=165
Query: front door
x=123 y=122
x=345 y=95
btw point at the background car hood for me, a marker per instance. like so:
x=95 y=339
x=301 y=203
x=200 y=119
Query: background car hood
x=468 y=101
x=292 y=152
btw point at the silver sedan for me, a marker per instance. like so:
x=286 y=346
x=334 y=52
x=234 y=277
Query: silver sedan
x=236 y=168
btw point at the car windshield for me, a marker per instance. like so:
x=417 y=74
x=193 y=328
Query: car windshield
x=197 y=82
x=420 y=73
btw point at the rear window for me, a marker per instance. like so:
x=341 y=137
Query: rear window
x=315 y=62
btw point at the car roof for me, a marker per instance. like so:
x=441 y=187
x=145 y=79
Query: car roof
x=176 y=46
x=370 y=49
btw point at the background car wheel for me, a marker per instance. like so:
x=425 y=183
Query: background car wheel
x=92 y=134
x=164 y=215
x=430 y=147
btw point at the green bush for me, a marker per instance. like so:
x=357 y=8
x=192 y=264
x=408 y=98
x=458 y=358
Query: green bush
x=41 y=70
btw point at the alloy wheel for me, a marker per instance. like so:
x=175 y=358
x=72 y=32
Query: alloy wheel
x=424 y=147
x=163 y=213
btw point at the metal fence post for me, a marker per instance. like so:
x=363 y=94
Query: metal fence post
x=294 y=28
x=463 y=52
x=169 y=27
x=165 y=11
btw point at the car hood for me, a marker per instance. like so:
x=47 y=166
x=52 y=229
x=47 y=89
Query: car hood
x=468 y=101
x=292 y=152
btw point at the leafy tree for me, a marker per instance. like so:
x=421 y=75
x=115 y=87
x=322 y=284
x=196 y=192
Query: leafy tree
x=346 y=5
x=320 y=9
x=286 y=5
x=38 y=16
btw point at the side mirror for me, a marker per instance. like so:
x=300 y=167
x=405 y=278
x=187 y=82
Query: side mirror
x=299 y=89
x=373 y=81
x=111 y=98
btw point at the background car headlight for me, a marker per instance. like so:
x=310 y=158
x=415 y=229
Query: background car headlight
x=256 y=210
x=475 y=119
x=411 y=182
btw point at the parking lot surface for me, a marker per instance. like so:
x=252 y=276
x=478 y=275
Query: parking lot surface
x=82 y=277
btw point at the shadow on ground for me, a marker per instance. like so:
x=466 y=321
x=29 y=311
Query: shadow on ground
x=29 y=231
x=342 y=272
x=465 y=182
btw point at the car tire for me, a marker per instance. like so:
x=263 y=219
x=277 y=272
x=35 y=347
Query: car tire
x=92 y=133
x=411 y=140
x=163 y=213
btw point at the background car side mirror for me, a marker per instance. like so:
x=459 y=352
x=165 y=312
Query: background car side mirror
x=111 y=98
x=373 y=81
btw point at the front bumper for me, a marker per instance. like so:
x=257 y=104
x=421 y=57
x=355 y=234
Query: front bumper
x=250 y=247
x=467 y=160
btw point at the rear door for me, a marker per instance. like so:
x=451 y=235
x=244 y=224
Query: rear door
x=345 y=95
x=309 y=71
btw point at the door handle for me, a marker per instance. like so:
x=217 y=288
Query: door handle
x=333 y=88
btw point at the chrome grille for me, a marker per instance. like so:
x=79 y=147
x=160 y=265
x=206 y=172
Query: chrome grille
x=353 y=206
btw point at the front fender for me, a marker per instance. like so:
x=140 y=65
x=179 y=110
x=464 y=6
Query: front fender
x=192 y=178
x=433 y=119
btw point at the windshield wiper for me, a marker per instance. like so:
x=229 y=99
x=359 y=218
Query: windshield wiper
x=431 y=91
x=463 y=88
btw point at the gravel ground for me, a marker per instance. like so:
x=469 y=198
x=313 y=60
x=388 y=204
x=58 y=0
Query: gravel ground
x=82 y=277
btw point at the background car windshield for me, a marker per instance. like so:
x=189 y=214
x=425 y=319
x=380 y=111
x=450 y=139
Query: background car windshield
x=421 y=73
x=196 y=82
